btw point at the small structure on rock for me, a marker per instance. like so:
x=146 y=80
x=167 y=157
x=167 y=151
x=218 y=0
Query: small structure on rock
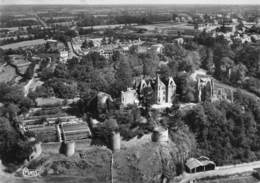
x=160 y=135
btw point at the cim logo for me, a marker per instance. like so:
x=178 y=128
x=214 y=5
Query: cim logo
x=31 y=173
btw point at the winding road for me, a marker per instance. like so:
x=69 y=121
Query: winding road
x=71 y=50
x=222 y=171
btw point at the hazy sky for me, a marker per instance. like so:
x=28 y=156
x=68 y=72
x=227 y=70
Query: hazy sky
x=130 y=2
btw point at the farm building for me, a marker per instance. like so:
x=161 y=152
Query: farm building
x=201 y=164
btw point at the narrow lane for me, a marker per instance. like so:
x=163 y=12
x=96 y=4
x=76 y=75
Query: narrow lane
x=222 y=171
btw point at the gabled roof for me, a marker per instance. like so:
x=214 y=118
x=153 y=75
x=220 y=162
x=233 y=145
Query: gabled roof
x=201 y=161
x=166 y=81
x=193 y=163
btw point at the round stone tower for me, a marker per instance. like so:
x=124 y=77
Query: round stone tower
x=116 y=141
x=67 y=148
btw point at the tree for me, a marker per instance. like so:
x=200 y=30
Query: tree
x=185 y=88
x=95 y=59
x=72 y=62
x=123 y=76
x=30 y=71
x=12 y=148
x=111 y=125
x=174 y=50
x=98 y=81
x=164 y=72
x=250 y=57
x=150 y=63
x=190 y=62
x=90 y=44
x=238 y=73
x=191 y=45
x=61 y=71
x=173 y=67
x=62 y=88
x=223 y=131
x=133 y=49
x=207 y=61
x=223 y=68
x=116 y=56
x=46 y=73
x=13 y=95
x=147 y=98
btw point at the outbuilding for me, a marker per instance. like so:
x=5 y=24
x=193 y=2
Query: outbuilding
x=200 y=164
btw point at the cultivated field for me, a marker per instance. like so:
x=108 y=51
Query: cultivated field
x=7 y=73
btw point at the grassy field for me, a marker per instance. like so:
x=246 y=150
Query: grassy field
x=23 y=44
x=177 y=26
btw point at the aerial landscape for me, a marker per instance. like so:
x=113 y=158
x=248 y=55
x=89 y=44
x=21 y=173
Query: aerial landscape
x=129 y=92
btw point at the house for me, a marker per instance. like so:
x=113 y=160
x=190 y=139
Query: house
x=124 y=49
x=141 y=49
x=179 y=41
x=64 y=55
x=51 y=44
x=164 y=89
x=157 y=48
x=129 y=97
x=201 y=164
x=96 y=41
x=106 y=51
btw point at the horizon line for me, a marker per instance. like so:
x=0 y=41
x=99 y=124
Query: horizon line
x=213 y=4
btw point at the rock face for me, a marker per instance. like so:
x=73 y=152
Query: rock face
x=92 y=165
x=138 y=165
x=134 y=165
x=37 y=150
x=103 y=100
x=1 y=166
x=139 y=161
